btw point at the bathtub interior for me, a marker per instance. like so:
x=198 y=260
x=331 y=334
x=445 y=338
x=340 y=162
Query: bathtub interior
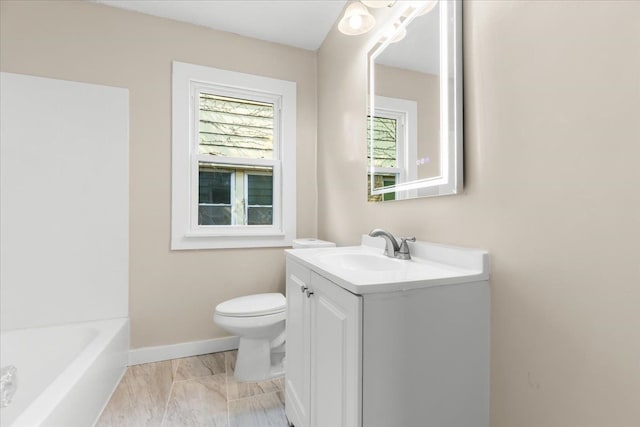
x=39 y=356
x=65 y=373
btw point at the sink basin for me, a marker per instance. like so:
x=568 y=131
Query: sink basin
x=361 y=261
x=366 y=269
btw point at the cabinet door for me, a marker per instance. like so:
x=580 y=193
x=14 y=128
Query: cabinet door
x=297 y=347
x=336 y=342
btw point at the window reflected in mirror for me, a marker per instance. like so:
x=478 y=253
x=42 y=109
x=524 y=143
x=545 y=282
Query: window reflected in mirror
x=383 y=154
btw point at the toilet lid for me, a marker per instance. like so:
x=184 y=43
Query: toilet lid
x=252 y=305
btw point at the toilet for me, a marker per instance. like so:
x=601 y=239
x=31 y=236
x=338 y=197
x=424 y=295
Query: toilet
x=259 y=321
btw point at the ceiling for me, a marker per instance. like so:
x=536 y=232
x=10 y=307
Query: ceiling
x=298 y=23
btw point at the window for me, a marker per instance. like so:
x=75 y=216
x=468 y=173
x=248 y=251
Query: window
x=392 y=146
x=235 y=129
x=233 y=159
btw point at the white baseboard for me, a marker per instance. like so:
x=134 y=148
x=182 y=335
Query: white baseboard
x=138 y=356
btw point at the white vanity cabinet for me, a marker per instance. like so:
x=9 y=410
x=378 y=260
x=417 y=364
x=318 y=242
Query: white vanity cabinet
x=323 y=348
x=373 y=354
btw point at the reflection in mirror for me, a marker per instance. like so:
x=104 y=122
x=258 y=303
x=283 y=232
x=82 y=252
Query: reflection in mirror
x=414 y=132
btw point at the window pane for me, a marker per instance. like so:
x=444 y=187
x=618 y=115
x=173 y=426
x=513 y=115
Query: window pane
x=379 y=182
x=214 y=195
x=388 y=181
x=260 y=215
x=260 y=190
x=384 y=141
x=214 y=185
x=214 y=215
x=235 y=194
x=234 y=127
x=260 y=199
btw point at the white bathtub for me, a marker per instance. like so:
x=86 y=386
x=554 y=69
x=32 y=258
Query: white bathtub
x=65 y=374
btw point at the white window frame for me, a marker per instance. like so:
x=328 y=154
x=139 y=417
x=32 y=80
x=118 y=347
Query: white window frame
x=188 y=81
x=405 y=112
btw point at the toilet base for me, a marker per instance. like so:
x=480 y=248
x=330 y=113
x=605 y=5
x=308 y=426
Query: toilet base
x=257 y=361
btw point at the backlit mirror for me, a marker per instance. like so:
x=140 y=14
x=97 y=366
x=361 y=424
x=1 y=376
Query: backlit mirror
x=414 y=123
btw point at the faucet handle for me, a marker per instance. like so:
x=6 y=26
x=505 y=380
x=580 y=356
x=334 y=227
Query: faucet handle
x=403 y=252
x=403 y=242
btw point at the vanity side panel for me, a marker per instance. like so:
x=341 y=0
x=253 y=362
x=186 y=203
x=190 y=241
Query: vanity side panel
x=426 y=357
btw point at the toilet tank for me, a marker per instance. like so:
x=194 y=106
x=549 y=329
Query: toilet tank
x=311 y=243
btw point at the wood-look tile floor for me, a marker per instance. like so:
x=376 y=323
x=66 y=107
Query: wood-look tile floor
x=193 y=391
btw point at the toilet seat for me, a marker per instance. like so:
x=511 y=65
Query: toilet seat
x=252 y=305
x=245 y=322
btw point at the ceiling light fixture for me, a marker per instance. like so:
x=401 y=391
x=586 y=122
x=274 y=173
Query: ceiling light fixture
x=356 y=20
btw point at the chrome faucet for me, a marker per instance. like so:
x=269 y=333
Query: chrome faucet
x=392 y=249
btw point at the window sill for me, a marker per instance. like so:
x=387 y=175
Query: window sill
x=208 y=241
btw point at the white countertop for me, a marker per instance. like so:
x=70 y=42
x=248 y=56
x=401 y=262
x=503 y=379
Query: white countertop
x=431 y=265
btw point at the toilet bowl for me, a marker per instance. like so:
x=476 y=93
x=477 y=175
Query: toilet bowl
x=259 y=321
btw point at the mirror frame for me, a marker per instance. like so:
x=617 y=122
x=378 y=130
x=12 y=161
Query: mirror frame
x=450 y=180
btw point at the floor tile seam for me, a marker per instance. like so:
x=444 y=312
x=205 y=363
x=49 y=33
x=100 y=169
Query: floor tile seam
x=166 y=405
x=195 y=378
x=255 y=395
x=174 y=372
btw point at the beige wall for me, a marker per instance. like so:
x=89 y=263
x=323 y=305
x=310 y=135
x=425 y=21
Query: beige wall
x=425 y=90
x=172 y=294
x=552 y=152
